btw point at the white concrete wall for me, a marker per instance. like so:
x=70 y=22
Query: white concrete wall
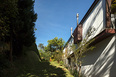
x=69 y=49
x=69 y=46
x=95 y=19
x=101 y=62
x=113 y=19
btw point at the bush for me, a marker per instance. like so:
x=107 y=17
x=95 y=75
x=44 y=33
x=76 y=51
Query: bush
x=75 y=73
x=61 y=63
x=45 y=55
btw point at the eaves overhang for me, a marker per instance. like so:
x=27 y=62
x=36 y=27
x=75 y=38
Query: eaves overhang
x=103 y=35
x=100 y=37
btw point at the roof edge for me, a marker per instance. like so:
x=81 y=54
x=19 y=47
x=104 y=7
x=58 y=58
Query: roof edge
x=89 y=11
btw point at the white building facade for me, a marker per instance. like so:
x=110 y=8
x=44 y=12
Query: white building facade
x=68 y=51
x=100 y=62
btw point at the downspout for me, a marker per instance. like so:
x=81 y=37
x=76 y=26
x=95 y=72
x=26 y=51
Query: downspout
x=108 y=13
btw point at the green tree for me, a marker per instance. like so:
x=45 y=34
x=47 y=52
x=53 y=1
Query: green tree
x=45 y=55
x=55 y=46
x=83 y=47
x=24 y=31
x=41 y=46
x=8 y=13
x=17 y=22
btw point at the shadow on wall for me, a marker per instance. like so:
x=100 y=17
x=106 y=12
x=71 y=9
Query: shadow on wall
x=113 y=68
x=101 y=61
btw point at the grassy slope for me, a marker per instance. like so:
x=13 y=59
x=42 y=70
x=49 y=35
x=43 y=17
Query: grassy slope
x=22 y=66
x=67 y=73
x=29 y=65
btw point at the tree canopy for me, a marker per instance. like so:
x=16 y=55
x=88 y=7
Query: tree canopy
x=8 y=13
x=17 y=22
x=55 y=44
x=54 y=48
x=24 y=30
x=41 y=46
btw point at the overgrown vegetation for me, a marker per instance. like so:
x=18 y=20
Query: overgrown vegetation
x=45 y=55
x=113 y=6
x=79 y=53
x=53 y=51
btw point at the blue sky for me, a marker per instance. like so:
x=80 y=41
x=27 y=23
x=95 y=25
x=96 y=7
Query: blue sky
x=56 y=17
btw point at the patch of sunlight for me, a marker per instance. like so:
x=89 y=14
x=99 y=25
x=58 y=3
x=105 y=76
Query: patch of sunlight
x=44 y=70
x=47 y=75
x=33 y=76
x=28 y=75
x=54 y=63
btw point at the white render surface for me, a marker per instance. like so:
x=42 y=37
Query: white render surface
x=96 y=19
x=70 y=43
x=69 y=50
x=113 y=19
x=101 y=62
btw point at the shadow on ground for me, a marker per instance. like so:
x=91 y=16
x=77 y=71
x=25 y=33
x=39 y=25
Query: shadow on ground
x=29 y=65
x=44 y=69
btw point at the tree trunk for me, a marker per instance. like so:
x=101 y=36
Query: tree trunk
x=11 y=48
x=77 y=68
x=80 y=72
x=80 y=69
